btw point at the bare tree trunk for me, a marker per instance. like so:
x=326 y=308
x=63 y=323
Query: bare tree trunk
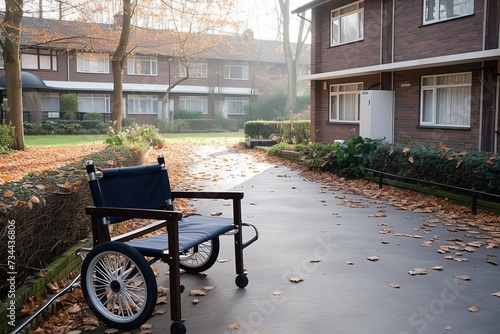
x=12 y=65
x=292 y=60
x=117 y=64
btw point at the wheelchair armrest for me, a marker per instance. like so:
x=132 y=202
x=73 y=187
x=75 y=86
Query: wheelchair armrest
x=234 y=195
x=101 y=212
x=100 y=232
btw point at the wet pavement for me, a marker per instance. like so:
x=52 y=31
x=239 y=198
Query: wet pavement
x=324 y=240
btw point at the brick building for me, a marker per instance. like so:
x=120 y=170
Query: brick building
x=440 y=60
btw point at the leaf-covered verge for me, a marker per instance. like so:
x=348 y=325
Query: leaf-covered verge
x=48 y=208
x=467 y=169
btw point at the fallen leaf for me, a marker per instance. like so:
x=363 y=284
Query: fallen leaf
x=295 y=279
x=314 y=261
x=111 y=331
x=277 y=293
x=473 y=308
x=437 y=268
x=417 y=271
x=447 y=327
x=217 y=213
x=195 y=301
x=349 y=263
x=8 y=193
x=208 y=288
x=372 y=258
x=233 y=325
x=463 y=277
x=490 y=261
x=496 y=294
x=197 y=293
x=394 y=285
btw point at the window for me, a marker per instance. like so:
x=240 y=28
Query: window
x=50 y=103
x=194 y=103
x=143 y=104
x=236 y=105
x=39 y=60
x=439 y=10
x=94 y=103
x=347 y=24
x=92 y=63
x=142 y=66
x=344 y=102
x=197 y=69
x=236 y=71
x=446 y=100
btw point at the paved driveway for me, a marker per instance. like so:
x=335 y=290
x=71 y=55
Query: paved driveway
x=324 y=238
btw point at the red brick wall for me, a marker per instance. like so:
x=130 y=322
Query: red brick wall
x=464 y=34
x=322 y=130
x=357 y=54
x=407 y=106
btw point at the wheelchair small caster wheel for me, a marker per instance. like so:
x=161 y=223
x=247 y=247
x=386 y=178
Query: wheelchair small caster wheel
x=178 y=327
x=241 y=280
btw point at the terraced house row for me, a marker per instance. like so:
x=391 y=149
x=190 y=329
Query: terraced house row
x=226 y=73
x=425 y=71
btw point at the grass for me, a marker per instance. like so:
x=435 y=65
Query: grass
x=73 y=140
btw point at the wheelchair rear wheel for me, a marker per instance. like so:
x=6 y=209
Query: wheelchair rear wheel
x=119 y=285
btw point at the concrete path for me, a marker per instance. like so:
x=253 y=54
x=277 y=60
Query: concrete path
x=324 y=238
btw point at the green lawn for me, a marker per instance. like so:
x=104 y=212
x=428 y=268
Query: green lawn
x=57 y=140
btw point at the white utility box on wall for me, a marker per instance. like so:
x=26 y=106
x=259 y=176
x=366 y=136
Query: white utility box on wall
x=376 y=117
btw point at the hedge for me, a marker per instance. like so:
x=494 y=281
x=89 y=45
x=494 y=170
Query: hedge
x=458 y=167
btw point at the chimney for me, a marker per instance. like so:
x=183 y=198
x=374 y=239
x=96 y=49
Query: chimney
x=248 y=35
x=118 y=18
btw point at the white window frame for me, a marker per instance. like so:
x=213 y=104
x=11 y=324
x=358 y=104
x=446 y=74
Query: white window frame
x=197 y=69
x=92 y=63
x=39 y=59
x=188 y=102
x=135 y=65
x=94 y=101
x=429 y=92
x=236 y=105
x=232 y=71
x=343 y=94
x=142 y=104
x=435 y=10
x=339 y=22
x=50 y=102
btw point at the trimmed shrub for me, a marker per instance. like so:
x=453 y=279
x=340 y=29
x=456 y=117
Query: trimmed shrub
x=186 y=114
x=93 y=116
x=6 y=138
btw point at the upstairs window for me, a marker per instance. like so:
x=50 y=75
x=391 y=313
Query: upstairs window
x=344 y=102
x=197 y=69
x=440 y=10
x=92 y=63
x=236 y=71
x=142 y=66
x=347 y=24
x=39 y=60
x=446 y=100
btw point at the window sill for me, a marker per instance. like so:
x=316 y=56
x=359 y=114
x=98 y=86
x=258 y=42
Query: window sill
x=454 y=128
x=343 y=122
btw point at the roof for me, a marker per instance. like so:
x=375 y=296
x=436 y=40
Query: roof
x=309 y=5
x=84 y=36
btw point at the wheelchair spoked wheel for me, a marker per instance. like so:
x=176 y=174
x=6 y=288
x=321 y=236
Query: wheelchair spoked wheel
x=119 y=285
x=206 y=254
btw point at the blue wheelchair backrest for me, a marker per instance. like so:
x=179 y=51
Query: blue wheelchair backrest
x=140 y=187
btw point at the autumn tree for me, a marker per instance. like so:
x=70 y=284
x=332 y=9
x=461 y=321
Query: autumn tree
x=293 y=51
x=193 y=25
x=11 y=27
x=118 y=62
